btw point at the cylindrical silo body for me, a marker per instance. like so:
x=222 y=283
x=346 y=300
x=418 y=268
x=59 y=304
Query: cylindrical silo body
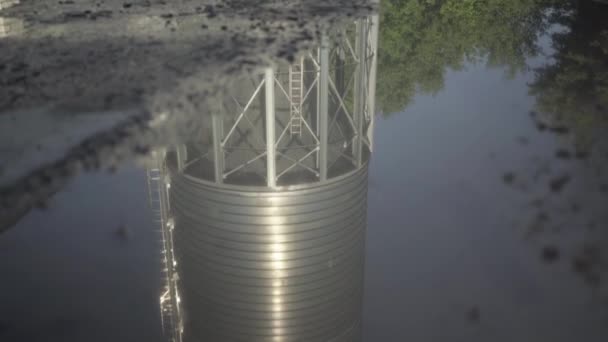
x=262 y=265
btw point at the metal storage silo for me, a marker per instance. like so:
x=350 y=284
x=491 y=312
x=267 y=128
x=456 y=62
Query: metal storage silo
x=264 y=214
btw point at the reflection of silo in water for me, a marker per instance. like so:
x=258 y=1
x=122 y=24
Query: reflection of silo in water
x=269 y=205
x=260 y=264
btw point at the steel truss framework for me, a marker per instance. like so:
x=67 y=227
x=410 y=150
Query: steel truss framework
x=302 y=119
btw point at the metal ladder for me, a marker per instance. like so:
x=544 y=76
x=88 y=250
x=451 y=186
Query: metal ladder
x=296 y=90
x=153 y=177
x=169 y=321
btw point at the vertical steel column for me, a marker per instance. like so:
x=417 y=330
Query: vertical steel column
x=360 y=90
x=323 y=106
x=217 y=126
x=371 y=94
x=270 y=129
x=182 y=156
x=317 y=121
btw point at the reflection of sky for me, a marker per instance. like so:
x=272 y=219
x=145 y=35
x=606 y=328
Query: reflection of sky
x=445 y=232
x=67 y=275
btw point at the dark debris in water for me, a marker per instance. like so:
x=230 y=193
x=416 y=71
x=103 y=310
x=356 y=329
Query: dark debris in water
x=580 y=154
x=508 y=177
x=538 y=223
x=557 y=184
x=541 y=127
x=563 y=154
x=88 y=14
x=581 y=264
x=550 y=254
x=542 y=216
x=473 y=315
x=587 y=263
x=123 y=232
x=560 y=130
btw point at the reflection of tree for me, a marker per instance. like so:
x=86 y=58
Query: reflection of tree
x=573 y=91
x=420 y=39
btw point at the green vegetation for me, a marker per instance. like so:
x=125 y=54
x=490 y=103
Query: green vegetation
x=420 y=39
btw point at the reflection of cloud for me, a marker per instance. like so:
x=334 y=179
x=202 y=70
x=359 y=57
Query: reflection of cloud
x=10 y=27
x=7 y=3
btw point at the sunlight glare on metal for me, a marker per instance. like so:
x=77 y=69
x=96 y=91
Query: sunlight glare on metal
x=274 y=200
x=277 y=247
x=277 y=256
x=276 y=220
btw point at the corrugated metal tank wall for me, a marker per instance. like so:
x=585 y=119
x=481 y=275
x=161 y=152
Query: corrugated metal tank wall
x=257 y=264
